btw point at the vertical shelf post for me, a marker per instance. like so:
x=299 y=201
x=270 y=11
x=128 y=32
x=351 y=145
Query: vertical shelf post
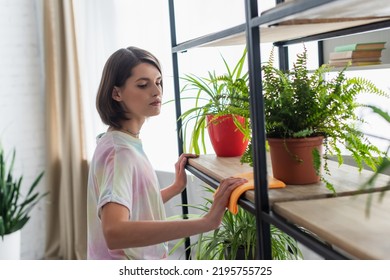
x=175 y=66
x=283 y=58
x=258 y=132
x=320 y=45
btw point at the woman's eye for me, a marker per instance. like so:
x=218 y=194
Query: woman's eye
x=142 y=86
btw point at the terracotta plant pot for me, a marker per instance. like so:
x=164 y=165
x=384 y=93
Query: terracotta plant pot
x=226 y=139
x=292 y=159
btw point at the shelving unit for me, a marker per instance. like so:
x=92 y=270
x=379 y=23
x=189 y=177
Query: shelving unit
x=287 y=23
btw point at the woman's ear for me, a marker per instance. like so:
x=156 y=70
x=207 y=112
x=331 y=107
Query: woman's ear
x=116 y=94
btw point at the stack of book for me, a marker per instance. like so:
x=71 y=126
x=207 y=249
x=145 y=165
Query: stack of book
x=357 y=54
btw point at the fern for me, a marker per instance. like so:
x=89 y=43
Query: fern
x=300 y=104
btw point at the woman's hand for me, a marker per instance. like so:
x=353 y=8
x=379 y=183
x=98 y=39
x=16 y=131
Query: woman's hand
x=180 y=172
x=221 y=199
x=180 y=178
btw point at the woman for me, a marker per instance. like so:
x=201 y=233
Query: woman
x=126 y=216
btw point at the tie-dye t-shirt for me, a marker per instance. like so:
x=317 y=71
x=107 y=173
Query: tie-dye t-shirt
x=120 y=172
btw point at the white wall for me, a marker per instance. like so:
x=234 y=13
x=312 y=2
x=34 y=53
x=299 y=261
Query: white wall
x=22 y=108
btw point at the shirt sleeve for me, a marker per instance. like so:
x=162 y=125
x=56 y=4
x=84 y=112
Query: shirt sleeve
x=117 y=179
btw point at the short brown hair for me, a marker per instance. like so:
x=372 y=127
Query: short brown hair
x=116 y=71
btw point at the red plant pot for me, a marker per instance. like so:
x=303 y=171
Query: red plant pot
x=226 y=139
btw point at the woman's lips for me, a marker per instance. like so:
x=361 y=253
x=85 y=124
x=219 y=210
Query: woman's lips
x=156 y=103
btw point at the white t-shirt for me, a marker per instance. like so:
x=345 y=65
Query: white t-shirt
x=120 y=172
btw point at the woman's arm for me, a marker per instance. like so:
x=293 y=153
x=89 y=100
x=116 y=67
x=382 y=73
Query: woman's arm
x=121 y=233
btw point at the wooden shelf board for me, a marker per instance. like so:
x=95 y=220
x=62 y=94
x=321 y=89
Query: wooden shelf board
x=346 y=179
x=344 y=223
x=293 y=26
x=344 y=8
x=279 y=33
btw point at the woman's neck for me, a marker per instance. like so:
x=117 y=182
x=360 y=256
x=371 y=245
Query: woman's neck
x=130 y=127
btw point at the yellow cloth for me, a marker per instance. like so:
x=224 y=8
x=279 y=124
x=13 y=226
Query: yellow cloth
x=272 y=184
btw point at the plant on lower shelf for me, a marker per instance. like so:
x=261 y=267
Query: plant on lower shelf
x=14 y=206
x=300 y=104
x=236 y=238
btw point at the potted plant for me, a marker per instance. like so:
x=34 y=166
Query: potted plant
x=14 y=207
x=300 y=105
x=236 y=238
x=221 y=106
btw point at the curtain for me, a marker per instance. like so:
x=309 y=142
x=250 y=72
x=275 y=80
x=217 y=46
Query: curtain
x=67 y=165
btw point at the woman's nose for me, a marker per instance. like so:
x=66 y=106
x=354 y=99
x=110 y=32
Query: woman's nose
x=157 y=91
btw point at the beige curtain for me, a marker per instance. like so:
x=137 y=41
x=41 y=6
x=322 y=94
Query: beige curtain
x=66 y=161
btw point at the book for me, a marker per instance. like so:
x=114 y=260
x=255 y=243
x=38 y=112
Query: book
x=371 y=54
x=362 y=59
x=360 y=46
x=343 y=63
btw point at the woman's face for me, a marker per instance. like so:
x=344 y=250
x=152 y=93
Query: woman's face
x=141 y=95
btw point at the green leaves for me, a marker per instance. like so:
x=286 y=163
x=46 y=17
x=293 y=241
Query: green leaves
x=384 y=162
x=301 y=104
x=14 y=207
x=215 y=95
x=297 y=102
x=237 y=232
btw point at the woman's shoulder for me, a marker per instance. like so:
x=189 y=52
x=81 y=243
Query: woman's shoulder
x=118 y=140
